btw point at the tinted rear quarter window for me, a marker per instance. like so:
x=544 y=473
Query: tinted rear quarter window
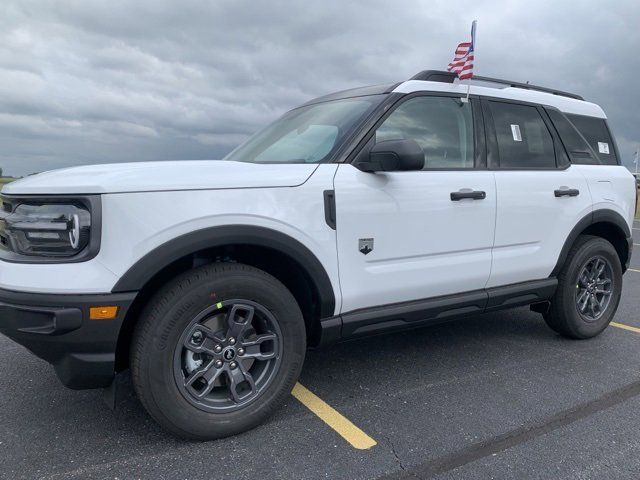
x=579 y=150
x=595 y=131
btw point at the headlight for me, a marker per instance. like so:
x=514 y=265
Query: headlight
x=57 y=229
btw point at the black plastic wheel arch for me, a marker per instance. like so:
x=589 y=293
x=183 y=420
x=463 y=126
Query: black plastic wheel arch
x=597 y=216
x=153 y=262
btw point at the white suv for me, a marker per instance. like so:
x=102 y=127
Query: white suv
x=368 y=210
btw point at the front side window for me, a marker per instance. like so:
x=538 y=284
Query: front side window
x=523 y=138
x=309 y=134
x=442 y=126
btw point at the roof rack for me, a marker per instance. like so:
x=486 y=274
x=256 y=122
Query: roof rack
x=449 y=77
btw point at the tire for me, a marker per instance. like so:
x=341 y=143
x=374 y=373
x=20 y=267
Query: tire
x=565 y=314
x=186 y=328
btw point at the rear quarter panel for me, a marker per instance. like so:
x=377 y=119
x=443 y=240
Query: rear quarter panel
x=612 y=187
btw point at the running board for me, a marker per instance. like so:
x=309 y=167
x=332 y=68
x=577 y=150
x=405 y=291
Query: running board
x=398 y=316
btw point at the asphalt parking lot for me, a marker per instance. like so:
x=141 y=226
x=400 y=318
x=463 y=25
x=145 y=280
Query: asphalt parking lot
x=494 y=396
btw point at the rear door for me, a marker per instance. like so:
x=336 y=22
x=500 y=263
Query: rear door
x=540 y=195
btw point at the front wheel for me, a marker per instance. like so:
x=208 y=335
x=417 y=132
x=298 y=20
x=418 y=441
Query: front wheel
x=217 y=350
x=589 y=289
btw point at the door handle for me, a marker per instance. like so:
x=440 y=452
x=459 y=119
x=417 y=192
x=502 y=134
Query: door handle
x=468 y=193
x=567 y=192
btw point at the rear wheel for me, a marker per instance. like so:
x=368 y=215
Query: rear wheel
x=217 y=350
x=589 y=289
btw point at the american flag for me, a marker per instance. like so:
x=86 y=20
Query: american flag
x=462 y=63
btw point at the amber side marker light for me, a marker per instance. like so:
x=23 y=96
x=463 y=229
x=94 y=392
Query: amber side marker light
x=103 y=313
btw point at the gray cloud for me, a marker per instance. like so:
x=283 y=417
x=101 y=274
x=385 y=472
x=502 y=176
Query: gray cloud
x=112 y=81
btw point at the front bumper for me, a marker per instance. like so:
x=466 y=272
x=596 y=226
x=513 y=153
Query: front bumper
x=56 y=328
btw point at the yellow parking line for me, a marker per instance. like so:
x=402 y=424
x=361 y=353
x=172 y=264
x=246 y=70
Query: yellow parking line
x=347 y=430
x=625 y=327
x=634 y=270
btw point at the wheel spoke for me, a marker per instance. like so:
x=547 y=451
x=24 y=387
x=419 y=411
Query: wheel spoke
x=237 y=377
x=600 y=266
x=582 y=301
x=207 y=344
x=208 y=373
x=254 y=347
x=238 y=319
x=592 y=306
x=583 y=281
x=589 y=270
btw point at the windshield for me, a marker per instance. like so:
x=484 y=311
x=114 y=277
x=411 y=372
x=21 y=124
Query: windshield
x=308 y=134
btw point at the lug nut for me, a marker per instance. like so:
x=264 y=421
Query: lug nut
x=197 y=337
x=217 y=349
x=232 y=341
x=233 y=365
x=218 y=363
x=241 y=351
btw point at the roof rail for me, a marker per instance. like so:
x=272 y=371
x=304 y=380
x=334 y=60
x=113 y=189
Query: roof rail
x=449 y=77
x=527 y=86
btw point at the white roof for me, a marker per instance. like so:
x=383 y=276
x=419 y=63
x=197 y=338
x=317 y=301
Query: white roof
x=564 y=104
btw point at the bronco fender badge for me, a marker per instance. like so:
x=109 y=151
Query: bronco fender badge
x=365 y=245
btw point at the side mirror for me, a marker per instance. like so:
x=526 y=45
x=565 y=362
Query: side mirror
x=392 y=156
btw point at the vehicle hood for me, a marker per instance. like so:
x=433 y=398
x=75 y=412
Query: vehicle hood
x=161 y=176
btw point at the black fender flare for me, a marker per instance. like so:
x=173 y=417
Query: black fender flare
x=597 y=216
x=157 y=259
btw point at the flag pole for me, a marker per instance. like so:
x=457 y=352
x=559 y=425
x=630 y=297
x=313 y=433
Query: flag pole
x=473 y=47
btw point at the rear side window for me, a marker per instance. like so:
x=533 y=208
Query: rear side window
x=524 y=141
x=579 y=150
x=595 y=131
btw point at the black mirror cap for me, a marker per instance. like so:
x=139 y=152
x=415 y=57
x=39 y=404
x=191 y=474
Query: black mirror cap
x=394 y=155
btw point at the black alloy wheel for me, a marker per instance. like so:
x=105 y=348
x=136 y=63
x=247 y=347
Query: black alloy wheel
x=228 y=355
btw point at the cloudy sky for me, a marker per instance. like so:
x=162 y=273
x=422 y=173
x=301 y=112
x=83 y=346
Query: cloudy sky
x=109 y=81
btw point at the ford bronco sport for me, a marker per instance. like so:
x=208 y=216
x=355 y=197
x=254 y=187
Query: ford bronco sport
x=364 y=211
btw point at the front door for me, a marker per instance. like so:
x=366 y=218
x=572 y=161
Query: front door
x=413 y=235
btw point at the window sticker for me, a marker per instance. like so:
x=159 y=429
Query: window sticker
x=515 y=131
x=603 y=147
